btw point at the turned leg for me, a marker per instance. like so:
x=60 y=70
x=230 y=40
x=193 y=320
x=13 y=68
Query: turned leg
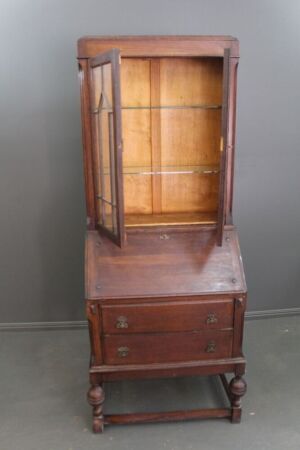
x=237 y=388
x=96 y=399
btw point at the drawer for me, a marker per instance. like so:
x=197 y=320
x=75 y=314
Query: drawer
x=169 y=316
x=168 y=347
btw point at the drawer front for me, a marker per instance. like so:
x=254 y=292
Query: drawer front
x=169 y=316
x=168 y=347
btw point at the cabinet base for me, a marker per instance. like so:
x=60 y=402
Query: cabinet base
x=234 y=390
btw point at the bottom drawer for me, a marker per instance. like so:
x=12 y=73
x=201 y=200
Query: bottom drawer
x=167 y=347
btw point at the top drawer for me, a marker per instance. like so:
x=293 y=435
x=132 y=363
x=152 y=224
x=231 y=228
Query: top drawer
x=168 y=316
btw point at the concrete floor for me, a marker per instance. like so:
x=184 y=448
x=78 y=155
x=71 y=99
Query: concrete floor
x=44 y=382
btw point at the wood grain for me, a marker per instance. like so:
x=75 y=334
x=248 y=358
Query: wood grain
x=175 y=264
x=188 y=81
x=156 y=134
x=171 y=302
x=167 y=316
x=169 y=219
x=168 y=416
x=167 y=347
x=143 y=46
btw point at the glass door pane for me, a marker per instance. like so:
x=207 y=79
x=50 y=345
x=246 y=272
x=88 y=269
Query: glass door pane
x=107 y=143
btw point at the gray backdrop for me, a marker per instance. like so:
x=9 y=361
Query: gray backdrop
x=42 y=200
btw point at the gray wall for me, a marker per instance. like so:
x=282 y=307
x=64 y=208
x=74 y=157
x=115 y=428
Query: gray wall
x=42 y=201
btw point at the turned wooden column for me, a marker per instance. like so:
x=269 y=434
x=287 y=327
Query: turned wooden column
x=96 y=399
x=237 y=388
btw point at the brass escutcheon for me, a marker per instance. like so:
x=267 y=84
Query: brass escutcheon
x=164 y=237
x=211 y=347
x=123 y=352
x=122 y=322
x=211 y=318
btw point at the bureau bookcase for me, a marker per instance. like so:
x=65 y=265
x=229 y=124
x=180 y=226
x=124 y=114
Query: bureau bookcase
x=165 y=287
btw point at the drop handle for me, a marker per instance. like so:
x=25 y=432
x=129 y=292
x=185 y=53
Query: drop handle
x=122 y=322
x=211 y=347
x=211 y=318
x=123 y=352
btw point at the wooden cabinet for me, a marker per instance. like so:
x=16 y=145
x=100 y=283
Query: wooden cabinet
x=165 y=287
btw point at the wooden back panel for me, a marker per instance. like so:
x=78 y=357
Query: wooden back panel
x=163 y=139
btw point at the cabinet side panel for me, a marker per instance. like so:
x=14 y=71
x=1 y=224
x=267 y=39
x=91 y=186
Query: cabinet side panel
x=239 y=312
x=93 y=313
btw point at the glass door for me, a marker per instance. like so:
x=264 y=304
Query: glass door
x=223 y=146
x=107 y=142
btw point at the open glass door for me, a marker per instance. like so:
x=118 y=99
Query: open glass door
x=223 y=147
x=107 y=142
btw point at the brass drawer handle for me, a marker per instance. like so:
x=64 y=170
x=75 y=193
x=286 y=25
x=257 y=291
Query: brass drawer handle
x=123 y=352
x=211 y=318
x=211 y=347
x=122 y=322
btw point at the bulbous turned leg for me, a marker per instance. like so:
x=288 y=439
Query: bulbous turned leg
x=96 y=398
x=237 y=388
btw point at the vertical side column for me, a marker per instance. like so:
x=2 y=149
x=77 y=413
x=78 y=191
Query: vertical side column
x=94 y=321
x=87 y=144
x=239 y=312
x=231 y=137
x=224 y=146
x=95 y=395
x=238 y=386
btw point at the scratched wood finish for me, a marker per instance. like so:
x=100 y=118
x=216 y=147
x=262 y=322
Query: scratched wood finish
x=171 y=264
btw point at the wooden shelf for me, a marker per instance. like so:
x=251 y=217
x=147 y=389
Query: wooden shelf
x=149 y=220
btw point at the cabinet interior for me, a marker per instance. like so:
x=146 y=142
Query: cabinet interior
x=171 y=129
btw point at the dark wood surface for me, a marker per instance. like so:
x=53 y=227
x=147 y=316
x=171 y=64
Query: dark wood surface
x=172 y=264
x=224 y=147
x=90 y=46
x=153 y=327
x=167 y=347
x=168 y=416
x=171 y=302
x=234 y=391
x=168 y=316
x=87 y=144
x=112 y=57
x=113 y=372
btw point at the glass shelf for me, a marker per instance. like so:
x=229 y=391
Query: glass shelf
x=109 y=109
x=202 y=106
x=167 y=170
x=170 y=170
